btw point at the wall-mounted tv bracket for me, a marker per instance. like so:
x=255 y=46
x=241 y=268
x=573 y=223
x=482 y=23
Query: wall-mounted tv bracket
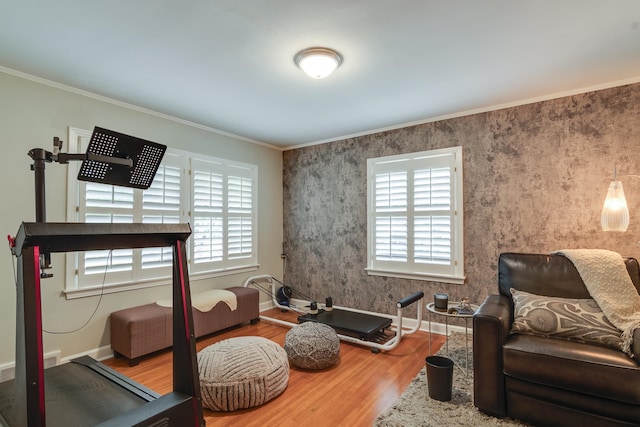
x=111 y=158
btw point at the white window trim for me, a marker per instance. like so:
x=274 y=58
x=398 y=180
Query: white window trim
x=457 y=276
x=72 y=290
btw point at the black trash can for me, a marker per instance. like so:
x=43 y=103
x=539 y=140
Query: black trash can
x=439 y=377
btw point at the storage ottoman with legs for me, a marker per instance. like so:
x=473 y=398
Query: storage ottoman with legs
x=138 y=331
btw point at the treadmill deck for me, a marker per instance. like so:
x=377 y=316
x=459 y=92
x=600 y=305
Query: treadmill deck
x=81 y=392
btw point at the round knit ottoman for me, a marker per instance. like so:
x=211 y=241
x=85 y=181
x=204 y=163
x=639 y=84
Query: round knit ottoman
x=312 y=345
x=242 y=372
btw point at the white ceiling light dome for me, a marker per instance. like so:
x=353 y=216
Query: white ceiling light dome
x=318 y=62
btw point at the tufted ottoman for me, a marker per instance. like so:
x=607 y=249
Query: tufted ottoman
x=312 y=345
x=242 y=372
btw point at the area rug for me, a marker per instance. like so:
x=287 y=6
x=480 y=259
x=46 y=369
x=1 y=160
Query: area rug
x=414 y=408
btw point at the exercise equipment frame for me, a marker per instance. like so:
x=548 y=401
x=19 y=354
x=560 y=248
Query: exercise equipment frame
x=398 y=329
x=181 y=407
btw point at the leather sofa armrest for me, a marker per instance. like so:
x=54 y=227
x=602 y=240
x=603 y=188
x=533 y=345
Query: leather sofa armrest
x=491 y=326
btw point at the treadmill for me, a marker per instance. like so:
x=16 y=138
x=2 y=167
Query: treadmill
x=84 y=392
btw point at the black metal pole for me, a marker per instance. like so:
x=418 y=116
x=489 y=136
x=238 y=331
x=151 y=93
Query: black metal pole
x=40 y=157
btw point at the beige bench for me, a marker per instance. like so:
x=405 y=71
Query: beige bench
x=141 y=330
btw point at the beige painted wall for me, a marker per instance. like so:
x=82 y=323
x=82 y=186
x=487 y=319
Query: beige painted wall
x=31 y=114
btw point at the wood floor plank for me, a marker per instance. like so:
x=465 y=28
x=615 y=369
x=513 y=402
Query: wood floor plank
x=353 y=392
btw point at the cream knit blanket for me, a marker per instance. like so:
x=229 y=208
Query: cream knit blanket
x=607 y=280
x=206 y=300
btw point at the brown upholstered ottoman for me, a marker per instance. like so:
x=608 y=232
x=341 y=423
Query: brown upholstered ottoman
x=141 y=330
x=138 y=331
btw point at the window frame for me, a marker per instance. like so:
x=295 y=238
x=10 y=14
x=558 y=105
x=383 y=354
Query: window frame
x=139 y=277
x=453 y=272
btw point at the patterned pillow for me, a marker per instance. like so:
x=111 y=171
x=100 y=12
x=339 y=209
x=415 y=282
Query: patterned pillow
x=568 y=318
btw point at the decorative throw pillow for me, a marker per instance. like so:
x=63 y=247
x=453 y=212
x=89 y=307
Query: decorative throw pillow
x=568 y=318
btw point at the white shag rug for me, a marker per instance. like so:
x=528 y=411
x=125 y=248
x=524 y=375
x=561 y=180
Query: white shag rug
x=414 y=408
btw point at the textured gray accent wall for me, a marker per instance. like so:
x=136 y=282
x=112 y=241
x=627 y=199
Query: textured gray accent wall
x=535 y=178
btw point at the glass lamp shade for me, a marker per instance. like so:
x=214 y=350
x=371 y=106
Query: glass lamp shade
x=615 y=214
x=318 y=62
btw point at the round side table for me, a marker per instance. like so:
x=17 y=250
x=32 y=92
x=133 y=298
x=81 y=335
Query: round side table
x=431 y=310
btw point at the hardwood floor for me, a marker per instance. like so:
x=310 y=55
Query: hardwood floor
x=351 y=393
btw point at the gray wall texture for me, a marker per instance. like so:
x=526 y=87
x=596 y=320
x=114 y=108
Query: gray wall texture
x=535 y=178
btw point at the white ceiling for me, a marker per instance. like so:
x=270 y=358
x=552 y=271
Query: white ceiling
x=228 y=64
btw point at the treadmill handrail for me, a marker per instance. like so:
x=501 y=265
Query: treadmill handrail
x=67 y=237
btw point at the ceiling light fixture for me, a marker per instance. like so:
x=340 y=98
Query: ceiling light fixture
x=318 y=62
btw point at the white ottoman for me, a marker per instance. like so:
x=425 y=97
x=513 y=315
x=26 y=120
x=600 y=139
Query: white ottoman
x=312 y=345
x=242 y=372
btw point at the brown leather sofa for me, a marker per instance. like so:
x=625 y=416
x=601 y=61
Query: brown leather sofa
x=550 y=381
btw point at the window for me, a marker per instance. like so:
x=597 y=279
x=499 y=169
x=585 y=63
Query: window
x=414 y=226
x=217 y=197
x=223 y=220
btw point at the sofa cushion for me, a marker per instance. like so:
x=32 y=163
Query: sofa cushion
x=569 y=318
x=572 y=366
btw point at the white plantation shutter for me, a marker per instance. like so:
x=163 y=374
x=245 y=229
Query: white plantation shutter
x=391 y=238
x=391 y=190
x=106 y=204
x=108 y=196
x=161 y=204
x=216 y=196
x=432 y=215
x=163 y=195
x=240 y=237
x=432 y=239
x=224 y=215
x=391 y=215
x=240 y=221
x=208 y=205
x=415 y=221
